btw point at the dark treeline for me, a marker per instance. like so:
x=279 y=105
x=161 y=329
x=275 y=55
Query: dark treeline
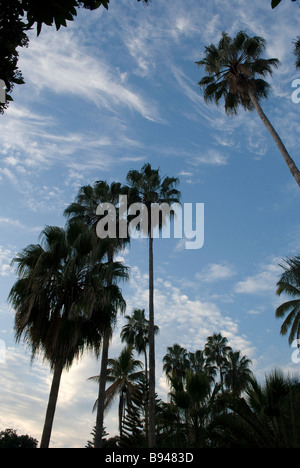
x=215 y=401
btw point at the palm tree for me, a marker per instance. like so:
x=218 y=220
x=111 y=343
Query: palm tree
x=216 y=351
x=289 y=284
x=50 y=298
x=136 y=333
x=176 y=364
x=123 y=376
x=267 y=417
x=84 y=208
x=297 y=52
x=148 y=187
x=237 y=373
x=236 y=73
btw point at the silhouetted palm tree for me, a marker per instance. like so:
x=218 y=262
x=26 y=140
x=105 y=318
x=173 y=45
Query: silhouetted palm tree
x=53 y=314
x=289 y=284
x=84 y=208
x=176 y=363
x=136 y=333
x=216 y=351
x=237 y=372
x=267 y=417
x=148 y=187
x=297 y=52
x=123 y=375
x=235 y=72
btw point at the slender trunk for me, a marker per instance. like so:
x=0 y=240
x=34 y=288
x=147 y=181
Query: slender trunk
x=101 y=392
x=45 y=441
x=151 y=349
x=289 y=161
x=121 y=405
x=146 y=364
x=103 y=371
x=146 y=399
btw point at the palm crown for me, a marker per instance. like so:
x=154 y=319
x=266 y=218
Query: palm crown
x=235 y=68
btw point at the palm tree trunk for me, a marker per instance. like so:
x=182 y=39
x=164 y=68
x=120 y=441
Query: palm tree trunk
x=151 y=349
x=45 y=441
x=103 y=372
x=289 y=161
x=147 y=399
x=121 y=413
x=146 y=364
x=101 y=392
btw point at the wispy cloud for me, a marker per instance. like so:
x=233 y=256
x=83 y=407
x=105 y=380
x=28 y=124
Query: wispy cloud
x=62 y=65
x=17 y=224
x=211 y=157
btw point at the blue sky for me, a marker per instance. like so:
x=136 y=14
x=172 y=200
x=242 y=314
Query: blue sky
x=116 y=89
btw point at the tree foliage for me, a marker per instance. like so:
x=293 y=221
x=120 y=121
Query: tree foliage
x=289 y=284
x=17 y=17
x=11 y=440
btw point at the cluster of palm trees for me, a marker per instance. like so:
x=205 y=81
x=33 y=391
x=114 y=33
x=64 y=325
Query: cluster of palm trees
x=67 y=296
x=215 y=401
x=126 y=374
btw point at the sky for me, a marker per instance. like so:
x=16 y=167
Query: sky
x=117 y=89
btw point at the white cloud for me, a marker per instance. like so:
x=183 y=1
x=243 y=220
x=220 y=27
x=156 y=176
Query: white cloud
x=262 y=282
x=17 y=224
x=60 y=63
x=216 y=272
x=182 y=319
x=6 y=256
x=211 y=157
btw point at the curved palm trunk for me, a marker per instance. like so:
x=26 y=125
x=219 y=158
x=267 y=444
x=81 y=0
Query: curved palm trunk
x=45 y=441
x=101 y=392
x=289 y=161
x=151 y=349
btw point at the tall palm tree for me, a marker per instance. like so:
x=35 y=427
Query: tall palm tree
x=289 y=284
x=84 y=208
x=50 y=298
x=235 y=72
x=123 y=375
x=136 y=333
x=237 y=373
x=148 y=187
x=216 y=351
